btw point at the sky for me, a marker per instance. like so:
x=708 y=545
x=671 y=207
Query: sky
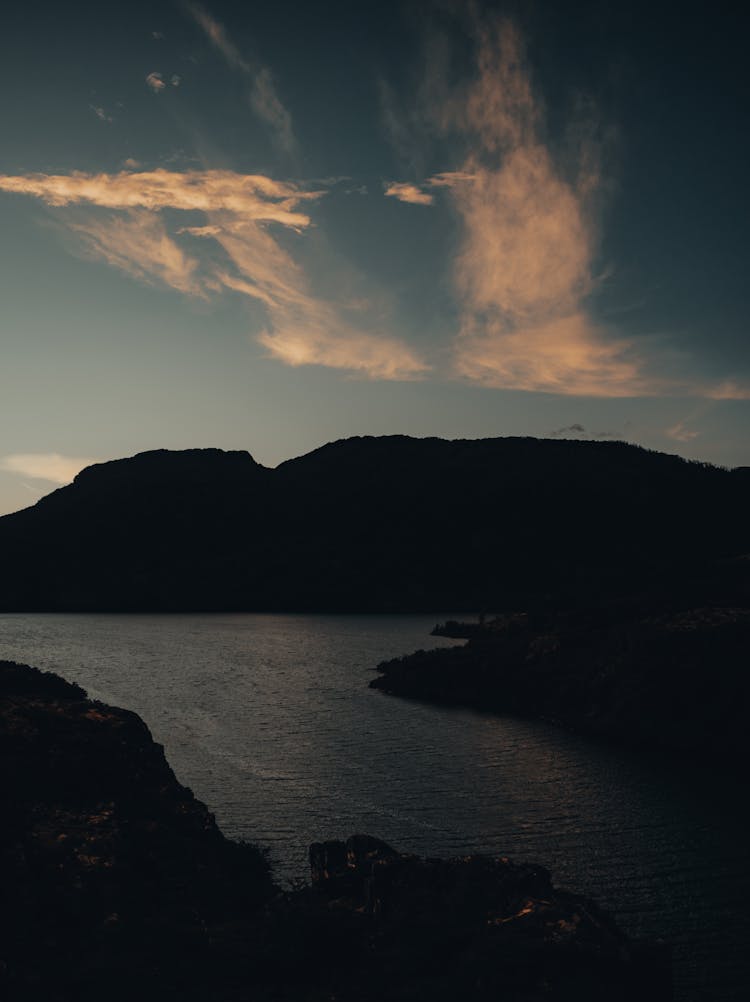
x=270 y=226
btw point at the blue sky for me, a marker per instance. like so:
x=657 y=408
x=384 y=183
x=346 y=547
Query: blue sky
x=267 y=227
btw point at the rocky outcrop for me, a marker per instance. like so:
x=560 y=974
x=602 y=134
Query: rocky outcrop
x=480 y=927
x=110 y=868
x=676 y=678
x=118 y=884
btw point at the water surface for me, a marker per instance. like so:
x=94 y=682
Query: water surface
x=269 y=720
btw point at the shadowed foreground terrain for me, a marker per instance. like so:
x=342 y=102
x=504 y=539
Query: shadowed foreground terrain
x=379 y=524
x=657 y=676
x=118 y=884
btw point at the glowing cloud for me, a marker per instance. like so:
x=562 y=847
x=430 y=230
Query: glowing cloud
x=248 y=195
x=305 y=330
x=247 y=258
x=565 y=355
x=45 y=466
x=155 y=82
x=409 y=193
x=413 y=194
x=525 y=266
x=137 y=243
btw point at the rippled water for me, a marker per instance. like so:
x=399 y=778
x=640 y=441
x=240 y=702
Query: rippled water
x=270 y=721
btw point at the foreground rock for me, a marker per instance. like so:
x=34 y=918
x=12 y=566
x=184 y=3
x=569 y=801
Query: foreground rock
x=480 y=927
x=674 y=678
x=118 y=884
x=111 y=869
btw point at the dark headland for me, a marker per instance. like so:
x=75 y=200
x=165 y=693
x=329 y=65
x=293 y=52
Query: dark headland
x=390 y=524
x=118 y=884
x=623 y=574
x=674 y=679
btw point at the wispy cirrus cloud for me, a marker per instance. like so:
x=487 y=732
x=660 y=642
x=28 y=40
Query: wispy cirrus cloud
x=252 y=196
x=416 y=194
x=679 y=432
x=137 y=242
x=525 y=268
x=49 y=466
x=241 y=211
x=263 y=97
x=305 y=330
x=525 y=265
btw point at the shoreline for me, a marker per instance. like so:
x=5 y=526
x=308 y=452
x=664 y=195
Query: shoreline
x=106 y=848
x=673 y=679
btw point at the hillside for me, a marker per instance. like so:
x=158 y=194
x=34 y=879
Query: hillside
x=380 y=524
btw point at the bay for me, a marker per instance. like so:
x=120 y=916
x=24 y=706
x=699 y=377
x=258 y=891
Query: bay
x=268 y=718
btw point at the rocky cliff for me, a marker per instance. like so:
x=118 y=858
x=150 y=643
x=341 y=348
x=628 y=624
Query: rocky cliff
x=117 y=884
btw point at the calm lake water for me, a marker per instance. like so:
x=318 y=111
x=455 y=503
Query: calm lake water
x=269 y=720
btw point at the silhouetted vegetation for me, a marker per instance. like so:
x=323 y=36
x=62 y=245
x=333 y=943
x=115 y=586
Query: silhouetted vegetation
x=647 y=674
x=389 y=524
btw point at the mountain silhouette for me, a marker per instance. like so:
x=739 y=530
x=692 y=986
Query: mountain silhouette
x=382 y=524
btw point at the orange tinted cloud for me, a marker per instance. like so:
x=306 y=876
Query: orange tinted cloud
x=305 y=330
x=134 y=236
x=155 y=82
x=414 y=194
x=45 y=466
x=525 y=266
x=409 y=193
x=566 y=355
x=249 y=195
x=137 y=242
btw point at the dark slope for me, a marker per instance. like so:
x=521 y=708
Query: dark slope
x=389 y=523
x=157 y=531
x=117 y=884
x=674 y=680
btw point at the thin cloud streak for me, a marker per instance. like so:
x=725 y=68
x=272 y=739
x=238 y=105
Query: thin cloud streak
x=45 y=466
x=137 y=243
x=679 y=433
x=305 y=330
x=133 y=236
x=248 y=195
x=263 y=98
x=414 y=194
x=218 y=37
